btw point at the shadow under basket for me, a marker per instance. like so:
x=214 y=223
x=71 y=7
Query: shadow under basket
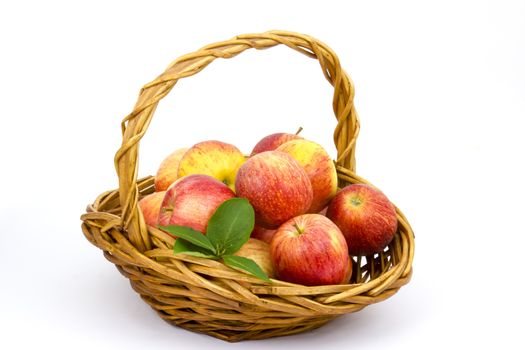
x=204 y=295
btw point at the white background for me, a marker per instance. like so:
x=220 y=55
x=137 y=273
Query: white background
x=440 y=89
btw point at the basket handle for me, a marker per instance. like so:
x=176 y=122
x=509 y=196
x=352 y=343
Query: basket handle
x=135 y=124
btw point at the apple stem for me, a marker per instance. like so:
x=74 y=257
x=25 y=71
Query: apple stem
x=299 y=230
x=299 y=130
x=356 y=201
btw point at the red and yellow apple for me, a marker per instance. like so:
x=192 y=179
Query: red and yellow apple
x=319 y=167
x=310 y=250
x=259 y=252
x=168 y=170
x=150 y=207
x=263 y=234
x=365 y=216
x=276 y=186
x=192 y=200
x=214 y=158
x=271 y=142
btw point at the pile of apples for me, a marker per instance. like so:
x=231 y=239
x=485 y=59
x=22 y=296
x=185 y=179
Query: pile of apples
x=306 y=229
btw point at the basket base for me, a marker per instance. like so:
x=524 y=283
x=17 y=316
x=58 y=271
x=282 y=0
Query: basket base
x=222 y=323
x=229 y=334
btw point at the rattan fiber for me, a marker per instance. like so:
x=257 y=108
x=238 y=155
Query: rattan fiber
x=204 y=295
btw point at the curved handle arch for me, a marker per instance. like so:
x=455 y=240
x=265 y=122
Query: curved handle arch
x=134 y=125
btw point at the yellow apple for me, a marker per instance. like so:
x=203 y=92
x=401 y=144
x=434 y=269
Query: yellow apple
x=318 y=166
x=259 y=252
x=214 y=158
x=168 y=170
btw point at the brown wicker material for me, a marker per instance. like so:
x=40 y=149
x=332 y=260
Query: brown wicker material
x=204 y=295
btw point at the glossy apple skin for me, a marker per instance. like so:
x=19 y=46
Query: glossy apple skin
x=168 y=170
x=192 y=200
x=271 y=142
x=150 y=207
x=365 y=216
x=310 y=250
x=276 y=186
x=262 y=234
x=214 y=158
x=259 y=252
x=319 y=167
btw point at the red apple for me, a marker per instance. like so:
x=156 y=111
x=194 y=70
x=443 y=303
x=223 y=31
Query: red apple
x=262 y=234
x=310 y=250
x=319 y=167
x=271 y=142
x=150 y=207
x=276 y=186
x=365 y=216
x=192 y=200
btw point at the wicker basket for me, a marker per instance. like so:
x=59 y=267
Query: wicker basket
x=204 y=295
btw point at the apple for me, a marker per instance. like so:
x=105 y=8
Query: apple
x=215 y=158
x=168 y=170
x=319 y=167
x=365 y=216
x=310 y=250
x=262 y=234
x=259 y=252
x=271 y=142
x=276 y=186
x=150 y=207
x=192 y=200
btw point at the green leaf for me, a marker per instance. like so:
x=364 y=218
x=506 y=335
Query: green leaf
x=245 y=264
x=183 y=246
x=231 y=225
x=190 y=235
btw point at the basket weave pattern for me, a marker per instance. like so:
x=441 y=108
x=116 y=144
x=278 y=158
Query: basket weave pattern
x=204 y=295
